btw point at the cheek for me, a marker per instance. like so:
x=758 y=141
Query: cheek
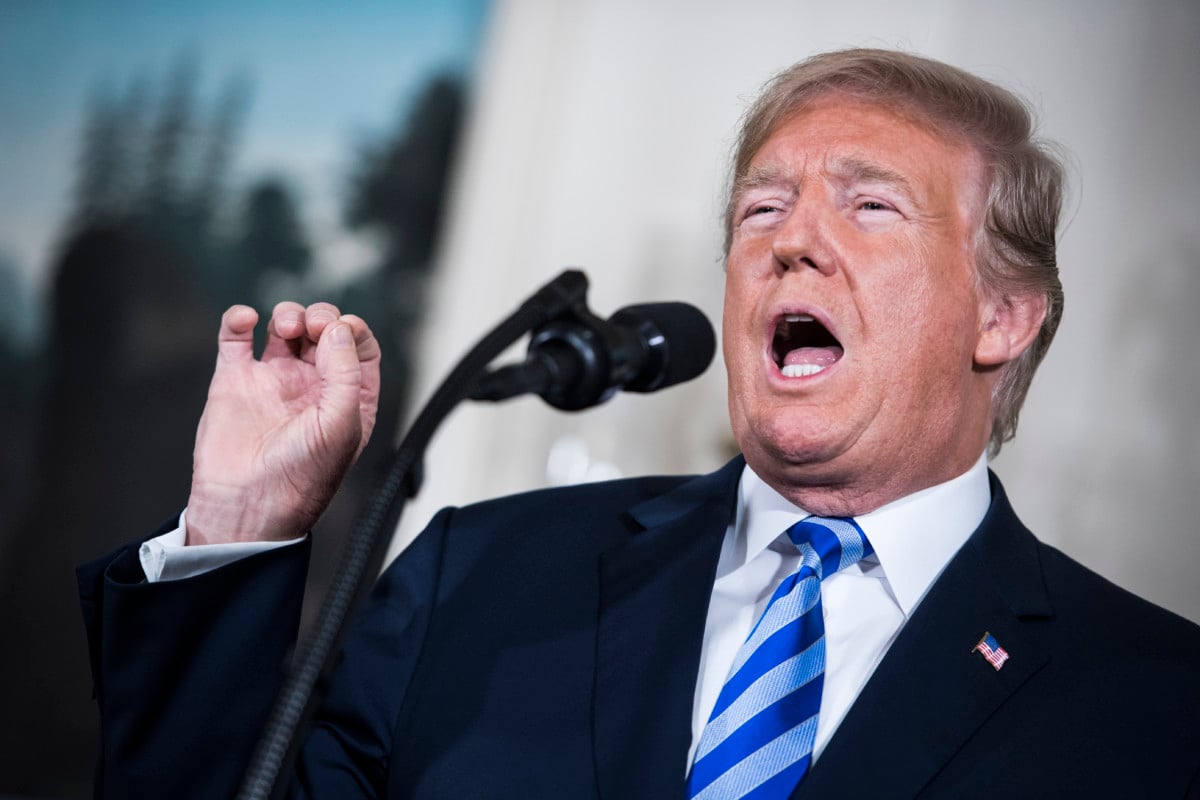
x=738 y=338
x=932 y=292
x=751 y=256
x=731 y=332
x=738 y=312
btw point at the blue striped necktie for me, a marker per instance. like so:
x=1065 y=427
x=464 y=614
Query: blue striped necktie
x=758 y=742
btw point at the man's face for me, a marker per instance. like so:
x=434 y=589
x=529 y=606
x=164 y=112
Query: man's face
x=852 y=316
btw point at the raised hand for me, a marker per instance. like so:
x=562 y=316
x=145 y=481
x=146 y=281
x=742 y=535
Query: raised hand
x=278 y=434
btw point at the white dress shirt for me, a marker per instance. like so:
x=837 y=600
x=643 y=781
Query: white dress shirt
x=864 y=605
x=167 y=558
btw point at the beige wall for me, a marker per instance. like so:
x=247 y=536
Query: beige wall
x=599 y=138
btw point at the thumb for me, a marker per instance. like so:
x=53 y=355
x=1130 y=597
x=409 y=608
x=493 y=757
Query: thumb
x=341 y=377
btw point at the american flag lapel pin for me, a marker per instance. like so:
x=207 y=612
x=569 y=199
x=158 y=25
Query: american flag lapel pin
x=991 y=651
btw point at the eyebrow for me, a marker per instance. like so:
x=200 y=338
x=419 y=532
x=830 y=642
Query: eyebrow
x=857 y=170
x=848 y=170
x=757 y=177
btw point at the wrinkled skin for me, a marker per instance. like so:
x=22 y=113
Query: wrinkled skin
x=866 y=220
x=278 y=434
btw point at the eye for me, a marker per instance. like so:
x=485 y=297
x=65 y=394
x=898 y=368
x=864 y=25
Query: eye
x=874 y=205
x=759 y=211
x=763 y=205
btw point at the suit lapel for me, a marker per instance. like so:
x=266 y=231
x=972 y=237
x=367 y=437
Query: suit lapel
x=654 y=594
x=931 y=692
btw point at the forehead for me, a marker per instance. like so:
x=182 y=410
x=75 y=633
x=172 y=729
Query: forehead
x=856 y=140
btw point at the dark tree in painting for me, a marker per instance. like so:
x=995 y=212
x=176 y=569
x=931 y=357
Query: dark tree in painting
x=155 y=246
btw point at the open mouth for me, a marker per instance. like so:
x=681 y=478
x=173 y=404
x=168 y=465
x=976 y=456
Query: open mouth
x=802 y=346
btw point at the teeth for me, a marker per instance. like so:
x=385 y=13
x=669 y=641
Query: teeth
x=798 y=318
x=801 y=370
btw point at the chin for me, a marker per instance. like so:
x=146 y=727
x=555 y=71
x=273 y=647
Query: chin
x=790 y=441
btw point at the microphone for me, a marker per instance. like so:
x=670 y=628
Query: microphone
x=578 y=360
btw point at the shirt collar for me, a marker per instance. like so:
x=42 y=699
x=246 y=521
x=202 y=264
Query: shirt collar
x=914 y=537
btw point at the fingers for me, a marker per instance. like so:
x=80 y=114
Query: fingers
x=349 y=372
x=288 y=319
x=340 y=372
x=285 y=327
x=369 y=353
x=347 y=361
x=294 y=326
x=365 y=343
x=317 y=317
x=235 y=340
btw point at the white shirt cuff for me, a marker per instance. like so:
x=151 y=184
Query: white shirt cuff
x=167 y=558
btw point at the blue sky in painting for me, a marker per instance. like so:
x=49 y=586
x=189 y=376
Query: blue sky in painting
x=323 y=76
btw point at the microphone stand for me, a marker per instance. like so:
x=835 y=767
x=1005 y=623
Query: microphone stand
x=278 y=744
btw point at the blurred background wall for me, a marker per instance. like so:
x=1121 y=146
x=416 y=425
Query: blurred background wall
x=158 y=164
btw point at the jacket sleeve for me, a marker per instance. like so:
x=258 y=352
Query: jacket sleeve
x=185 y=672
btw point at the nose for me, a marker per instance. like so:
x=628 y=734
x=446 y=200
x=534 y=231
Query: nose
x=804 y=240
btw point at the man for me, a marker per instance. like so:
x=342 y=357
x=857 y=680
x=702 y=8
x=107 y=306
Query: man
x=851 y=611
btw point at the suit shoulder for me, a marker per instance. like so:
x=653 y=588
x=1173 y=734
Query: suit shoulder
x=620 y=490
x=1097 y=604
x=576 y=504
x=568 y=518
x=570 y=525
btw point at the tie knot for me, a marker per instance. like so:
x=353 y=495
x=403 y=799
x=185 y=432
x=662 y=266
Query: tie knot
x=836 y=543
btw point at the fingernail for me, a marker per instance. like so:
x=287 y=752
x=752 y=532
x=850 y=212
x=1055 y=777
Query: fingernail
x=341 y=335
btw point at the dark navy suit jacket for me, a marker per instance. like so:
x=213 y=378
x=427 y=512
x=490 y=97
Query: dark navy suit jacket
x=546 y=646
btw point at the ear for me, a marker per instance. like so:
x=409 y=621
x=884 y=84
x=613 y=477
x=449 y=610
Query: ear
x=1009 y=325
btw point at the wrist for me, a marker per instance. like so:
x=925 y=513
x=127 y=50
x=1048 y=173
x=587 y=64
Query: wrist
x=224 y=515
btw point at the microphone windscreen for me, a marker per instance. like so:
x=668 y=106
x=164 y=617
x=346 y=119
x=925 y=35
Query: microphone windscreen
x=680 y=338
